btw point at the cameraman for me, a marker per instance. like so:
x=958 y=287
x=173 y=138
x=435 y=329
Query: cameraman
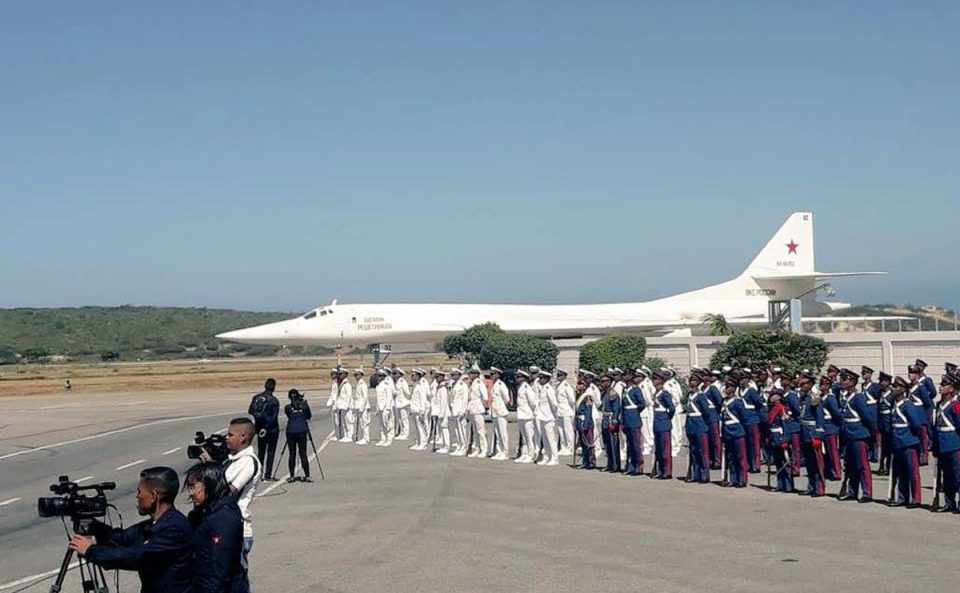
x=265 y=408
x=218 y=539
x=298 y=415
x=242 y=471
x=158 y=548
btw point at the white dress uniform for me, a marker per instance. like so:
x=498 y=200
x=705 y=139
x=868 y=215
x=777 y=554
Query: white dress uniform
x=566 y=405
x=344 y=398
x=677 y=433
x=419 y=407
x=476 y=398
x=332 y=405
x=459 y=394
x=527 y=402
x=646 y=416
x=546 y=420
x=360 y=405
x=537 y=388
x=499 y=411
x=385 y=411
x=594 y=392
x=440 y=409
x=401 y=405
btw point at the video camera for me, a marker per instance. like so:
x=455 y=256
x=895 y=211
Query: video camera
x=296 y=398
x=80 y=508
x=215 y=446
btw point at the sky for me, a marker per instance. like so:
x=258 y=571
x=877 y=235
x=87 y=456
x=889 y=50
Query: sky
x=275 y=156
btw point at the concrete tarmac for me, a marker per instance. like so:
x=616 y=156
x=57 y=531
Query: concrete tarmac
x=390 y=519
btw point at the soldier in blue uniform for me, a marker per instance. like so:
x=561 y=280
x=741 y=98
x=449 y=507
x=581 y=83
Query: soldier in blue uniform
x=859 y=424
x=663 y=411
x=695 y=427
x=832 y=423
x=753 y=404
x=908 y=419
x=871 y=390
x=791 y=423
x=884 y=424
x=584 y=425
x=610 y=423
x=713 y=386
x=946 y=442
x=923 y=392
x=734 y=435
x=833 y=372
x=633 y=405
x=811 y=434
x=779 y=441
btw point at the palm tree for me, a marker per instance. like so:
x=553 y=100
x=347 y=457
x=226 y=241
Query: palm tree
x=718 y=324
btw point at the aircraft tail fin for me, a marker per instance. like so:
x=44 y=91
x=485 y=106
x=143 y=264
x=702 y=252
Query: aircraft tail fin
x=789 y=252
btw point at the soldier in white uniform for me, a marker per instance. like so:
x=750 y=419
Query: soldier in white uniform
x=419 y=407
x=476 y=407
x=566 y=404
x=401 y=404
x=459 y=393
x=593 y=391
x=332 y=402
x=526 y=408
x=616 y=373
x=646 y=416
x=546 y=420
x=500 y=395
x=360 y=405
x=384 y=391
x=677 y=432
x=440 y=410
x=344 y=399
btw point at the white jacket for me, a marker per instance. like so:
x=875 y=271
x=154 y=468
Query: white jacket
x=566 y=400
x=332 y=400
x=344 y=395
x=419 y=403
x=361 y=399
x=527 y=401
x=401 y=394
x=384 y=395
x=458 y=399
x=440 y=406
x=501 y=395
x=478 y=396
x=547 y=404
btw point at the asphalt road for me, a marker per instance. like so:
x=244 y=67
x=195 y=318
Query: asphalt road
x=389 y=519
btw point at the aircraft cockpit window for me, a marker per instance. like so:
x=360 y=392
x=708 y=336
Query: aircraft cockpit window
x=322 y=313
x=329 y=311
x=310 y=315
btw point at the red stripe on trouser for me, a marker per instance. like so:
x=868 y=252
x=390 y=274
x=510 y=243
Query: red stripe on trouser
x=666 y=454
x=704 y=455
x=744 y=466
x=866 y=476
x=833 y=455
x=917 y=493
x=819 y=456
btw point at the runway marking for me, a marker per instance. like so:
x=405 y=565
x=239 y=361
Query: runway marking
x=84 y=479
x=9 y=501
x=283 y=480
x=131 y=464
x=111 y=433
x=81 y=405
x=35 y=577
x=174 y=450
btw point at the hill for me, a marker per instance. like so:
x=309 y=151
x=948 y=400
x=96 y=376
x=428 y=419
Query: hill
x=928 y=317
x=126 y=333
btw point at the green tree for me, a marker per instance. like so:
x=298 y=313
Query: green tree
x=717 y=324
x=782 y=348
x=471 y=342
x=7 y=356
x=513 y=351
x=623 y=351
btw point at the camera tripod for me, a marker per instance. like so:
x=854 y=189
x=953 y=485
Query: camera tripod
x=91 y=575
x=316 y=454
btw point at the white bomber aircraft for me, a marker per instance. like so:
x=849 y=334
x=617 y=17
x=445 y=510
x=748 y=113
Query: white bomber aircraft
x=783 y=270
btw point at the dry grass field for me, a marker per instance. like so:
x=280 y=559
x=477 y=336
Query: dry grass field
x=309 y=373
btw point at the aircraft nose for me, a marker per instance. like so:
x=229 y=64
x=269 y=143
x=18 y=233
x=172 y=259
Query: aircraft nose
x=270 y=333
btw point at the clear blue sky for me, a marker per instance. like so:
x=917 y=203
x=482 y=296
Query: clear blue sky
x=275 y=156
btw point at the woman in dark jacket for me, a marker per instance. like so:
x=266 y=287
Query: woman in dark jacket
x=217 y=532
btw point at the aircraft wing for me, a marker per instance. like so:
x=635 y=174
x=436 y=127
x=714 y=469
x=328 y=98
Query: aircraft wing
x=815 y=275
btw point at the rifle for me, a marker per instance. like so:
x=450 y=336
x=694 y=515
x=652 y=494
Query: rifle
x=893 y=481
x=723 y=465
x=939 y=487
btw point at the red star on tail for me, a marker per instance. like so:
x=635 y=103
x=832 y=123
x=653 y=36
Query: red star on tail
x=792 y=247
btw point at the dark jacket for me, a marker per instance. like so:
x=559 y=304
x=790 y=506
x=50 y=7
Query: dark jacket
x=297 y=418
x=217 y=549
x=159 y=552
x=265 y=408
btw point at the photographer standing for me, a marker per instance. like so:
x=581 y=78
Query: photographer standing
x=158 y=548
x=298 y=415
x=242 y=471
x=265 y=408
x=218 y=532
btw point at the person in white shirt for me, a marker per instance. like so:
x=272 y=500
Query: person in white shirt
x=546 y=419
x=242 y=471
x=440 y=408
x=360 y=405
x=401 y=404
x=500 y=395
x=646 y=416
x=343 y=405
x=566 y=406
x=384 y=391
x=527 y=402
x=677 y=433
x=459 y=393
x=476 y=407
x=332 y=401
x=419 y=408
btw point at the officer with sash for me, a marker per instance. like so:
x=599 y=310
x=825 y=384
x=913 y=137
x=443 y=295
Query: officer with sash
x=734 y=435
x=946 y=441
x=632 y=408
x=663 y=412
x=610 y=408
x=584 y=424
x=811 y=434
x=832 y=424
x=753 y=404
x=696 y=408
x=859 y=424
x=884 y=422
x=923 y=393
x=907 y=421
x=791 y=423
x=779 y=441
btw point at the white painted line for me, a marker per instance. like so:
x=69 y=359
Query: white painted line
x=283 y=480
x=84 y=479
x=34 y=577
x=111 y=433
x=9 y=501
x=131 y=464
x=174 y=450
